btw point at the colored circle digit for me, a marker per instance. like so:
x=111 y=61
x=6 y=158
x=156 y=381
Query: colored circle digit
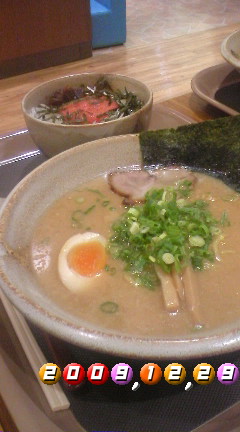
x=175 y=373
x=150 y=373
x=204 y=373
x=50 y=373
x=121 y=373
x=227 y=373
x=73 y=374
x=97 y=373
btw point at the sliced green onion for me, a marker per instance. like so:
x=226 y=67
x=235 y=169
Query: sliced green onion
x=160 y=237
x=168 y=258
x=96 y=191
x=105 y=203
x=215 y=231
x=109 y=307
x=164 y=195
x=77 y=216
x=224 y=221
x=110 y=270
x=184 y=188
x=144 y=230
x=196 y=241
x=80 y=200
x=182 y=223
x=134 y=229
x=133 y=211
x=89 y=209
x=191 y=226
x=181 y=202
x=152 y=258
x=142 y=236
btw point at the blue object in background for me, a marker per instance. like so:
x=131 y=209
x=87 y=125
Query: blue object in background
x=108 y=22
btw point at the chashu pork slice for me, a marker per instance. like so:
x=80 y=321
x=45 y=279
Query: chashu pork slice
x=133 y=185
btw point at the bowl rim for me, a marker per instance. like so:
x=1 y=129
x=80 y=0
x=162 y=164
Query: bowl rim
x=226 y=53
x=93 y=125
x=103 y=340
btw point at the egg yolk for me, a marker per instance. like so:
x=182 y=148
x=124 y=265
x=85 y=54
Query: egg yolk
x=87 y=259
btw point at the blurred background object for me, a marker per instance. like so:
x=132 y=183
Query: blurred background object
x=41 y=33
x=108 y=22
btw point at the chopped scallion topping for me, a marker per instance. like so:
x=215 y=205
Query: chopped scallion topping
x=80 y=200
x=224 y=219
x=196 y=241
x=168 y=258
x=96 y=191
x=133 y=211
x=109 y=307
x=152 y=258
x=110 y=270
x=134 y=229
x=105 y=203
x=162 y=232
x=77 y=217
x=89 y=209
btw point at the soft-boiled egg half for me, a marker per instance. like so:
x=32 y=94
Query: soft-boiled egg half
x=81 y=259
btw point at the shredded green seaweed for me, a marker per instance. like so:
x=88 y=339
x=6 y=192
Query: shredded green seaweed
x=126 y=102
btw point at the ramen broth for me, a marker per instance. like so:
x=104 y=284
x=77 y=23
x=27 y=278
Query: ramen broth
x=140 y=311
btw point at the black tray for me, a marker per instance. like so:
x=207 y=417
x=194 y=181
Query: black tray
x=112 y=408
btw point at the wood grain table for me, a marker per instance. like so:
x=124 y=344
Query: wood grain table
x=167 y=67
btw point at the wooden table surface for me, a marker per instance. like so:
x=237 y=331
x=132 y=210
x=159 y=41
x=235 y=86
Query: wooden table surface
x=167 y=67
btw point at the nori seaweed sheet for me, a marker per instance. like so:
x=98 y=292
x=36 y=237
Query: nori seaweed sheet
x=213 y=145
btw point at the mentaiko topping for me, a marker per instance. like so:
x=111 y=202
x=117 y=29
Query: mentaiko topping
x=88 y=105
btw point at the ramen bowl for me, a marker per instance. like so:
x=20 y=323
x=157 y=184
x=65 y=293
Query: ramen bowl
x=19 y=218
x=53 y=138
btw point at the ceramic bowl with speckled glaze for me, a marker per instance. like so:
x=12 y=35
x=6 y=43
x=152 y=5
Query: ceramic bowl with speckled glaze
x=18 y=220
x=53 y=138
